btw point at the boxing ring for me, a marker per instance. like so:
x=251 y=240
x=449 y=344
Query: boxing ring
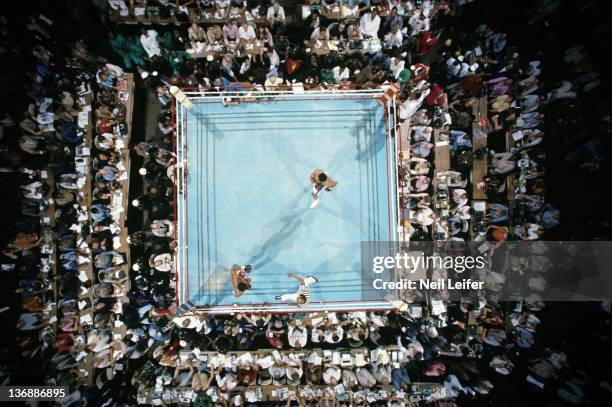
x=242 y=194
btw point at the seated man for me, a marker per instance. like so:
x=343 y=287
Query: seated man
x=246 y=33
x=370 y=23
x=338 y=31
x=276 y=17
x=214 y=34
x=502 y=163
x=394 y=38
x=454 y=178
x=424 y=216
x=196 y=33
x=459 y=197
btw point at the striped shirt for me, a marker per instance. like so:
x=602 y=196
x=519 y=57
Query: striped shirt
x=304 y=290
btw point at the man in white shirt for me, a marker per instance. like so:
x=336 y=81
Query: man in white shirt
x=272 y=81
x=341 y=73
x=419 y=23
x=394 y=38
x=274 y=58
x=396 y=66
x=318 y=335
x=246 y=66
x=335 y=335
x=297 y=336
x=410 y=106
x=331 y=375
x=453 y=178
x=425 y=216
x=196 y=33
x=370 y=23
x=148 y=40
x=276 y=16
x=246 y=33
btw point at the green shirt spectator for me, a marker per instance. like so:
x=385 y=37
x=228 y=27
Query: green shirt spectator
x=133 y=53
x=327 y=75
x=166 y=41
x=176 y=59
x=118 y=42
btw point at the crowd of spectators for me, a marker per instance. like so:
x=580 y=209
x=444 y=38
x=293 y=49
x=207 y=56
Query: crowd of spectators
x=482 y=96
x=260 y=55
x=44 y=149
x=64 y=151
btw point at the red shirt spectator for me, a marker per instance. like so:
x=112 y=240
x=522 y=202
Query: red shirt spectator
x=426 y=43
x=248 y=374
x=293 y=65
x=436 y=97
x=470 y=85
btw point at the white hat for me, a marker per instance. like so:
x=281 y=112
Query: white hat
x=144 y=74
x=209 y=57
x=135 y=267
x=142 y=171
x=136 y=203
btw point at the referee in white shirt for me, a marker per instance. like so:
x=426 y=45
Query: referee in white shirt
x=302 y=296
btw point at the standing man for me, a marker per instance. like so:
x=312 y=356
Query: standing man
x=320 y=180
x=302 y=296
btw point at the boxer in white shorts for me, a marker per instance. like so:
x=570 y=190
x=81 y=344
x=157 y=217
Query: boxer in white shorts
x=319 y=181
